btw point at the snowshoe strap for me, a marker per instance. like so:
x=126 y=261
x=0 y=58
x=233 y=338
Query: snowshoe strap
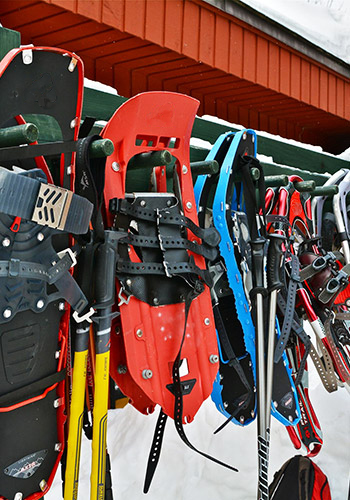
x=209 y=236
x=48 y=205
x=343 y=373
x=177 y=389
x=320 y=263
x=335 y=285
x=289 y=308
x=324 y=366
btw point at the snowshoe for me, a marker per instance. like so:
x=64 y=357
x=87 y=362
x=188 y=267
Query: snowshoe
x=234 y=386
x=161 y=268
x=43 y=86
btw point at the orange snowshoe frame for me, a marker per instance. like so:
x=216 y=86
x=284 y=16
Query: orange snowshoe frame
x=152 y=334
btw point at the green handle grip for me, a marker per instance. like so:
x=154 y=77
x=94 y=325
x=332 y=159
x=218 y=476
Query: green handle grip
x=325 y=190
x=305 y=186
x=151 y=159
x=17 y=135
x=276 y=180
x=204 y=167
x=101 y=148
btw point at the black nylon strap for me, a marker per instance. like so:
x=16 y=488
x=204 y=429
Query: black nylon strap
x=210 y=236
x=178 y=410
x=32 y=151
x=289 y=309
x=31 y=390
x=206 y=251
x=14 y=268
x=171 y=269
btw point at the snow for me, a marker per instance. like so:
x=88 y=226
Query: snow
x=183 y=474
x=323 y=22
x=92 y=84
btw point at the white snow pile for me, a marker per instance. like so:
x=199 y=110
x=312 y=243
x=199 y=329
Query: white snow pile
x=91 y=84
x=323 y=22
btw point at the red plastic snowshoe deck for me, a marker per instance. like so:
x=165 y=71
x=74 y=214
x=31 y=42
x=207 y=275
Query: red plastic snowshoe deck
x=152 y=335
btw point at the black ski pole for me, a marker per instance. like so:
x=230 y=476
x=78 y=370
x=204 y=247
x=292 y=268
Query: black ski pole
x=257 y=296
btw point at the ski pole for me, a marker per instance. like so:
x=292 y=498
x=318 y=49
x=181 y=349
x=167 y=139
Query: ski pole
x=76 y=412
x=104 y=295
x=258 y=293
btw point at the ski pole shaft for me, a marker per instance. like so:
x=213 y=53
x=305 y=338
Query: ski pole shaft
x=76 y=412
x=104 y=295
x=257 y=294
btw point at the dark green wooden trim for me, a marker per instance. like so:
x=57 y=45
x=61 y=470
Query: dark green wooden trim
x=9 y=40
x=100 y=105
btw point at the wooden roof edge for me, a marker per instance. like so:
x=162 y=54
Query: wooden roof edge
x=281 y=33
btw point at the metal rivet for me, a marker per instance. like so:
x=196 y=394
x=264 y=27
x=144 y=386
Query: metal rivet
x=275 y=404
x=184 y=169
x=225 y=404
x=40 y=304
x=146 y=374
x=69 y=170
x=117 y=330
x=128 y=282
x=6 y=242
x=43 y=485
x=58 y=446
x=73 y=123
x=142 y=203
x=207 y=321
x=18 y=496
x=241 y=419
x=253 y=138
x=155 y=301
x=168 y=203
x=252 y=414
x=115 y=166
x=7 y=313
x=244 y=136
x=56 y=403
x=57 y=354
x=72 y=64
x=122 y=369
x=189 y=205
x=213 y=358
x=61 y=306
x=290 y=418
x=40 y=237
x=139 y=333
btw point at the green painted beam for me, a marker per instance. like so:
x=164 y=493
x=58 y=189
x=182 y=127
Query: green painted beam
x=100 y=105
x=9 y=40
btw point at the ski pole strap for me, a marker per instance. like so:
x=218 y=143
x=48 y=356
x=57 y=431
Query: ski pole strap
x=45 y=204
x=289 y=308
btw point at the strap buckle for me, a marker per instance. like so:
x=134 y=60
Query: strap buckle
x=85 y=317
x=52 y=206
x=71 y=254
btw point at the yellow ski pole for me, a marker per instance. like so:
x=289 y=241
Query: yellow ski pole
x=104 y=296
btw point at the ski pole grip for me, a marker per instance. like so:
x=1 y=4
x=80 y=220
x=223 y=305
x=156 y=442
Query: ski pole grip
x=19 y=134
x=101 y=148
x=151 y=159
x=105 y=271
x=274 y=259
x=258 y=247
x=305 y=186
x=204 y=167
x=276 y=180
x=325 y=190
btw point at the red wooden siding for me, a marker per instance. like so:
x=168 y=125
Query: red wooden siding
x=238 y=72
